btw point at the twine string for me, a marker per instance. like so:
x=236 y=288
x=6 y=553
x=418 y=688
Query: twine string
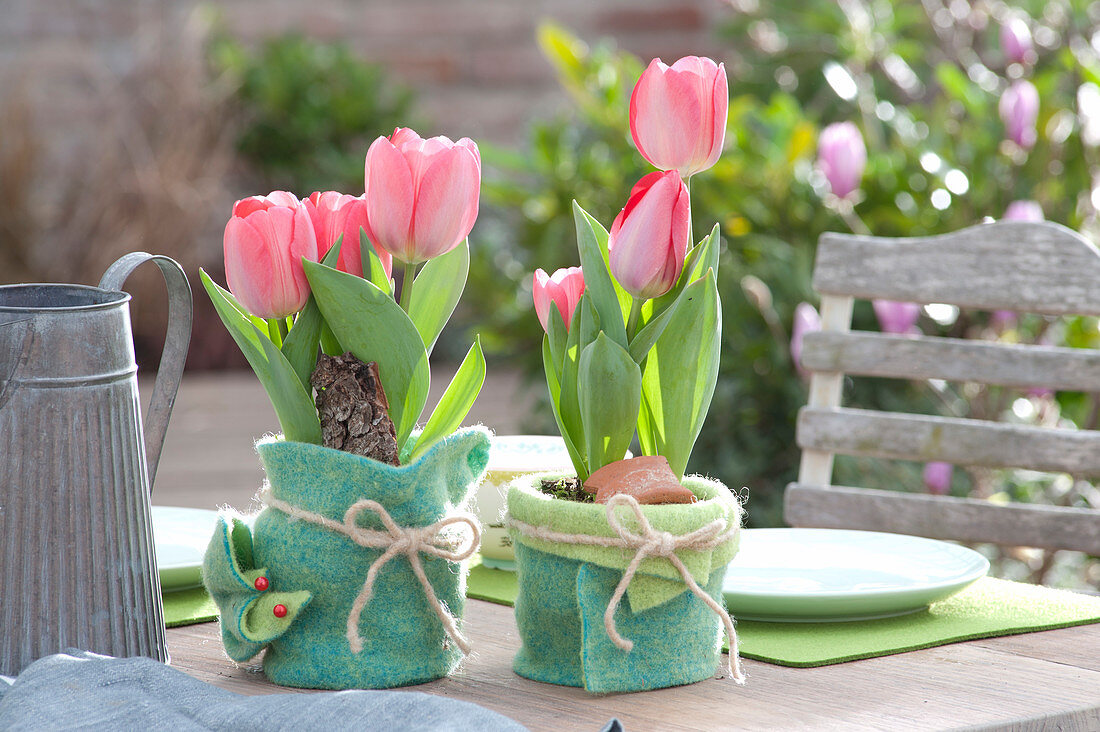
x=411 y=541
x=650 y=542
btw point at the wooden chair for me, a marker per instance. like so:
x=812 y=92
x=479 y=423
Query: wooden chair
x=1026 y=267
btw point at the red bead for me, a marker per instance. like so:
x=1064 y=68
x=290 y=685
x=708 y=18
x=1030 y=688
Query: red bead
x=279 y=610
x=261 y=583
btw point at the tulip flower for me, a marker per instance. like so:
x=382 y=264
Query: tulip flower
x=842 y=156
x=678 y=114
x=896 y=317
x=937 y=478
x=1019 y=109
x=422 y=195
x=265 y=241
x=649 y=238
x=338 y=214
x=1016 y=41
x=806 y=320
x=1024 y=211
x=563 y=289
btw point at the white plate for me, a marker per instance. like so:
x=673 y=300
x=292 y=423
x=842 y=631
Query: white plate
x=814 y=575
x=181 y=536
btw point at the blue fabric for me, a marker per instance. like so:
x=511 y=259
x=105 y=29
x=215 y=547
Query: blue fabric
x=404 y=641
x=86 y=691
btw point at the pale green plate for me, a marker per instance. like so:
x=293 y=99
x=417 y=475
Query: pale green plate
x=180 y=536
x=822 y=575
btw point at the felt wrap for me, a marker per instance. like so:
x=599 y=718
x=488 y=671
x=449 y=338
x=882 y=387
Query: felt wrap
x=565 y=588
x=404 y=641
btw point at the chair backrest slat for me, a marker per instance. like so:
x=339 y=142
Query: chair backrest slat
x=952 y=359
x=1009 y=265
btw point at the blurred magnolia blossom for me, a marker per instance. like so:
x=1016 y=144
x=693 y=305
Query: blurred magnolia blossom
x=1019 y=109
x=897 y=317
x=937 y=477
x=842 y=156
x=1024 y=211
x=1016 y=40
x=806 y=320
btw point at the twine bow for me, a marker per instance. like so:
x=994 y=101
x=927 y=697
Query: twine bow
x=412 y=541
x=650 y=542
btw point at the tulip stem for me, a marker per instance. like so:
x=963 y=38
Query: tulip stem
x=274 y=333
x=407 y=277
x=635 y=313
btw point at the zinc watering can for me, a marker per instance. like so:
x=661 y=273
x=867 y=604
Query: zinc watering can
x=77 y=568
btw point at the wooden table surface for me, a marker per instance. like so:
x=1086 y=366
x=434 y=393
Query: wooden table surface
x=1048 y=680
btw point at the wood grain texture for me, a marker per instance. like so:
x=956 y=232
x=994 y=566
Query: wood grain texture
x=1006 y=265
x=959 y=441
x=976 y=684
x=952 y=359
x=943 y=517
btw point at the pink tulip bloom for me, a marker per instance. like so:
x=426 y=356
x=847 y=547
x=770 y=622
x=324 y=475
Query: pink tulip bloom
x=1024 y=211
x=422 y=195
x=806 y=320
x=649 y=238
x=1016 y=41
x=678 y=114
x=1019 y=109
x=937 y=478
x=897 y=317
x=563 y=289
x=338 y=214
x=265 y=241
x=842 y=156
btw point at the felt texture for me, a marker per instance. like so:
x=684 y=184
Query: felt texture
x=988 y=608
x=404 y=641
x=565 y=589
x=657 y=581
x=187 y=607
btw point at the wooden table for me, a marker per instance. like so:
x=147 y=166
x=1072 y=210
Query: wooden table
x=1048 y=680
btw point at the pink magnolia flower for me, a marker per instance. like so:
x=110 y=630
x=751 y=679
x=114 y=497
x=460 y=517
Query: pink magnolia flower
x=649 y=238
x=896 y=317
x=265 y=241
x=563 y=289
x=842 y=156
x=422 y=195
x=937 y=478
x=1019 y=109
x=678 y=114
x=338 y=214
x=806 y=320
x=1016 y=40
x=1024 y=211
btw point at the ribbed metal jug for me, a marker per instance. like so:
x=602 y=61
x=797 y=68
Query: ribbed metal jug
x=77 y=568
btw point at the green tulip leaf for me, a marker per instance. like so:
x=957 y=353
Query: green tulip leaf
x=300 y=346
x=557 y=335
x=373 y=327
x=372 y=264
x=436 y=291
x=603 y=241
x=568 y=409
x=292 y=402
x=455 y=403
x=553 y=384
x=610 y=385
x=680 y=374
x=597 y=276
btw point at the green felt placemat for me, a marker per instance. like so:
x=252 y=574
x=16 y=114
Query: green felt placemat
x=989 y=607
x=187 y=607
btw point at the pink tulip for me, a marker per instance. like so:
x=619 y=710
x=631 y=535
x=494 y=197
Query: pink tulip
x=265 y=241
x=678 y=114
x=1019 y=108
x=842 y=156
x=937 y=478
x=806 y=320
x=1016 y=41
x=563 y=289
x=422 y=195
x=896 y=317
x=649 y=238
x=338 y=214
x=1024 y=211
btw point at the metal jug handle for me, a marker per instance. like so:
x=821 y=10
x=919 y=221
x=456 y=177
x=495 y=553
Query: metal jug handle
x=172 y=358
